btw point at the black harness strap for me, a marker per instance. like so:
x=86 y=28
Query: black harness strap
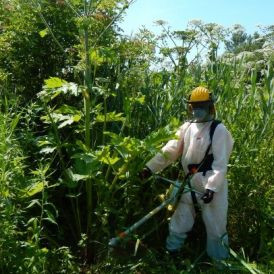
x=205 y=164
x=193 y=197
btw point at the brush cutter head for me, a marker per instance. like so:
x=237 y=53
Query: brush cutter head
x=113 y=242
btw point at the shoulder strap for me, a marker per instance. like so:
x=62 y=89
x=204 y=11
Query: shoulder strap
x=213 y=126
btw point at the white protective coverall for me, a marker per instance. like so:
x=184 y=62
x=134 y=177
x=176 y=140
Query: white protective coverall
x=192 y=143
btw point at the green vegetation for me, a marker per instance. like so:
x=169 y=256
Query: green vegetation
x=84 y=107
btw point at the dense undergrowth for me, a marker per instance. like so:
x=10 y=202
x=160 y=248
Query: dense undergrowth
x=84 y=107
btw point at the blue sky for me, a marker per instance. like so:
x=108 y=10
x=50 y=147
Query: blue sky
x=178 y=13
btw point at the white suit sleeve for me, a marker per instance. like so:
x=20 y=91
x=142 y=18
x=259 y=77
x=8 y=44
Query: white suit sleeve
x=222 y=143
x=169 y=153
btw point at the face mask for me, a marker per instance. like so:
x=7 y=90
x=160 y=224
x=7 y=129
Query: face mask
x=199 y=114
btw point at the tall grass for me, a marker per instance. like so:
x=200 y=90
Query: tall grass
x=22 y=215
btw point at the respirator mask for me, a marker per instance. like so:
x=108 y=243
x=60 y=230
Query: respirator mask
x=200 y=113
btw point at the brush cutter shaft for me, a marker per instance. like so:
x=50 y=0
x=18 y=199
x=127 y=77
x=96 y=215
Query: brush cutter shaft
x=172 y=199
x=149 y=215
x=175 y=193
x=115 y=241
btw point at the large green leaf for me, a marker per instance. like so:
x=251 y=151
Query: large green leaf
x=62 y=119
x=55 y=86
x=110 y=117
x=104 y=156
x=159 y=137
x=69 y=120
x=33 y=189
x=54 y=82
x=86 y=164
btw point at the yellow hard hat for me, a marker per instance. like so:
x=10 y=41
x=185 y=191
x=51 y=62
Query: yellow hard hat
x=199 y=94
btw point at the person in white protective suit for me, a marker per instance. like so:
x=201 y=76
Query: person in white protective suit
x=209 y=175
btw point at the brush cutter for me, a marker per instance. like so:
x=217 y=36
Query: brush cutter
x=177 y=189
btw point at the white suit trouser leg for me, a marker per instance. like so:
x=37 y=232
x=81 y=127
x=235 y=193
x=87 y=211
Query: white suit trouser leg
x=214 y=216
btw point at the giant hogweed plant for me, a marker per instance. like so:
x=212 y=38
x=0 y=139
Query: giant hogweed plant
x=110 y=167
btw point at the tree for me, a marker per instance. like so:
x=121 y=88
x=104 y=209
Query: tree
x=37 y=39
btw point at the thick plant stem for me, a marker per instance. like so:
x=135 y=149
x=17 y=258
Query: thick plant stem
x=105 y=118
x=87 y=142
x=87 y=93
